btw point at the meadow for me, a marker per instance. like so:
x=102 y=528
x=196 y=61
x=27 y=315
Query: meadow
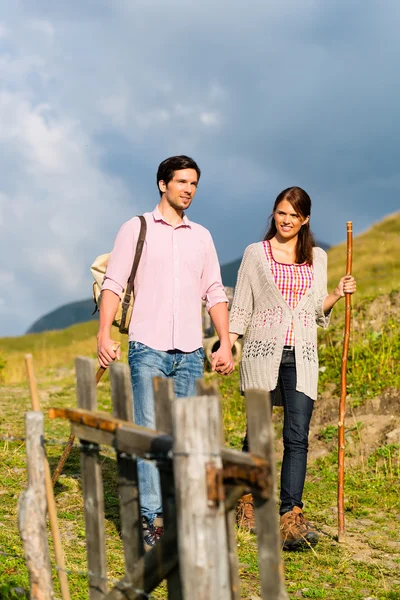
x=365 y=566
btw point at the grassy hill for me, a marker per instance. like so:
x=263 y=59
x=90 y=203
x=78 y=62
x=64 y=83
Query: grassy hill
x=376 y=259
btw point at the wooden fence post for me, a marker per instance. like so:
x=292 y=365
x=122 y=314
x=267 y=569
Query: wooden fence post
x=261 y=443
x=202 y=539
x=230 y=517
x=92 y=485
x=131 y=523
x=32 y=511
x=164 y=396
x=51 y=504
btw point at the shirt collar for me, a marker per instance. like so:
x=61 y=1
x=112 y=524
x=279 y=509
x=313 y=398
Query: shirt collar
x=158 y=217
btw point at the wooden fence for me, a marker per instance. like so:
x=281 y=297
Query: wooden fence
x=201 y=482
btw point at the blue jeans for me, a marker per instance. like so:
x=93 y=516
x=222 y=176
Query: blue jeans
x=145 y=363
x=298 y=410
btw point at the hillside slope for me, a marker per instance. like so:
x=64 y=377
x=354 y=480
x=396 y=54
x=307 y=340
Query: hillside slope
x=64 y=316
x=376 y=259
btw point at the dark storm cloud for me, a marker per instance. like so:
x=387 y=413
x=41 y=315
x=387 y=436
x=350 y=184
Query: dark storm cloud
x=262 y=96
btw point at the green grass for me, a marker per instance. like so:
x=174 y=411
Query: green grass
x=376 y=259
x=367 y=568
x=374 y=353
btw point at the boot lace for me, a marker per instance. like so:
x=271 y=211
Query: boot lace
x=295 y=525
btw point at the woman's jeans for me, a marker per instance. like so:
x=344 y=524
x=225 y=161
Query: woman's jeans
x=298 y=409
x=184 y=368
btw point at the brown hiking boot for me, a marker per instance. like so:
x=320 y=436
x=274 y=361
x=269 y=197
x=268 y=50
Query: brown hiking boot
x=296 y=532
x=245 y=516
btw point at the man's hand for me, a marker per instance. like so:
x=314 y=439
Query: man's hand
x=222 y=360
x=107 y=350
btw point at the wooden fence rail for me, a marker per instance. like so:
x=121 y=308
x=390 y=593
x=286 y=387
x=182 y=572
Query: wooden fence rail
x=201 y=482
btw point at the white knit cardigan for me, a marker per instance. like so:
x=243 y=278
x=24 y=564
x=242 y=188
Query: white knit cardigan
x=261 y=314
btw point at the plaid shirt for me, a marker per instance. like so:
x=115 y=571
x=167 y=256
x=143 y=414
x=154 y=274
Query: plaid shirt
x=292 y=281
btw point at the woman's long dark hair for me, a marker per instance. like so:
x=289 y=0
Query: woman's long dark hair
x=301 y=203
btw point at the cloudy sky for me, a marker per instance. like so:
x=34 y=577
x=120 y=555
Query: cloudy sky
x=95 y=93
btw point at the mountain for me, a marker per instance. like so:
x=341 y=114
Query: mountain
x=80 y=312
x=64 y=316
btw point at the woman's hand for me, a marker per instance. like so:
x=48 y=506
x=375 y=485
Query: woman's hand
x=219 y=363
x=347 y=285
x=222 y=360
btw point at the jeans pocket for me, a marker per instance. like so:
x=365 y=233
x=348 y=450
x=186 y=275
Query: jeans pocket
x=136 y=348
x=200 y=353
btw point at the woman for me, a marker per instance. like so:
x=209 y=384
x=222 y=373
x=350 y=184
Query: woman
x=280 y=298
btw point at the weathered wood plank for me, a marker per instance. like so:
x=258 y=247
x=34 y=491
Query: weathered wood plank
x=32 y=512
x=95 y=419
x=129 y=506
x=202 y=539
x=95 y=436
x=150 y=570
x=92 y=485
x=141 y=441
x=261 y=443
x=204 y=389
x=163 y=397
x=230 y=518
x=247 y=469
x=121 y=391
x=85 y=369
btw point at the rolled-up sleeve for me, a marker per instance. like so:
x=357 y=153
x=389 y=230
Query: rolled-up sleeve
x=121 y=259
x=212 y=290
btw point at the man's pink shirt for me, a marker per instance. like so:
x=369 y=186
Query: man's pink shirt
x=179 y=267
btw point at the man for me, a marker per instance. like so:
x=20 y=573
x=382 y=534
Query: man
x=178 y=268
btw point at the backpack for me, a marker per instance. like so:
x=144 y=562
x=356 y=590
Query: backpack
x=98 y=269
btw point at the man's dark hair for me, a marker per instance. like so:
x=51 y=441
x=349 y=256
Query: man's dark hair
x=168 y=167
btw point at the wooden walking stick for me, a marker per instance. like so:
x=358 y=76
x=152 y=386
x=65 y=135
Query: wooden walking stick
x=342 y=404
x=71 y=439
x=51 y=505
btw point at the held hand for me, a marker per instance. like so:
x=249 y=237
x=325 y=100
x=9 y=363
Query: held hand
x=107 y=351
x=347 y=285
x=222 y=361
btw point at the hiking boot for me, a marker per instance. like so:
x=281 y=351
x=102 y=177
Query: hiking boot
x=311 y=535
x=296 y=532
x=152 y=531
x=149 y=538
x=245 y=516
x=158 y=527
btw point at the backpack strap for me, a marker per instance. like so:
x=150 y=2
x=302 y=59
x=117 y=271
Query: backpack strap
x=129 y=288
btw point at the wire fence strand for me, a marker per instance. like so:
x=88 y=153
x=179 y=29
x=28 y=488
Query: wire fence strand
x=88 y=446
x=111 y=582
